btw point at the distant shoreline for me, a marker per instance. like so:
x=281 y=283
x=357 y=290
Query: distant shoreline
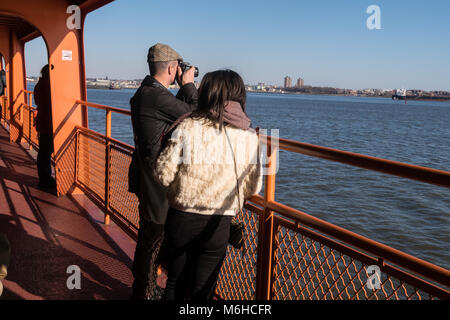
x=418 y=98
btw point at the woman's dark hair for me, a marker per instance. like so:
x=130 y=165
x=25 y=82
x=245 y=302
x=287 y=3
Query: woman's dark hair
x=215 y=89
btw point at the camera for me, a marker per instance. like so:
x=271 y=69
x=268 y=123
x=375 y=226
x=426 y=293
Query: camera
x=186 y=66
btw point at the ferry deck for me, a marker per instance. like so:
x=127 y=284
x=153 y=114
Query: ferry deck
x=90 y=220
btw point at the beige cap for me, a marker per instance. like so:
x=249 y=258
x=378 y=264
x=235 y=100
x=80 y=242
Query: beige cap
x=162 y=52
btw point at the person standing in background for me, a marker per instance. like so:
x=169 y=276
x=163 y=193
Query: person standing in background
x=44 y=127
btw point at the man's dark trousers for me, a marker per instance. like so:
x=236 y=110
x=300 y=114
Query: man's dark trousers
x=150 y=237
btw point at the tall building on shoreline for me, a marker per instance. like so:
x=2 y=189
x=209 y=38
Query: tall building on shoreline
x=300 y=82
x=287 y=82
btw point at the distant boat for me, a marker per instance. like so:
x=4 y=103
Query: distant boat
x=400 y=94
x=114 y=86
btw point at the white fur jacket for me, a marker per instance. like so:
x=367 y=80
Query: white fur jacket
x=198 y=168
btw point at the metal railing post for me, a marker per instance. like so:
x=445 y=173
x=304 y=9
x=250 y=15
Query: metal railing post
x=265 y=235
x=30 y=116
x=30 y=111
x=107 y=165
x=7 y=110
x=77 y=156
x=21 y=115
x=3 y=109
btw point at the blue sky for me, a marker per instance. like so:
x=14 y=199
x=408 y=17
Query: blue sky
x=326 y=42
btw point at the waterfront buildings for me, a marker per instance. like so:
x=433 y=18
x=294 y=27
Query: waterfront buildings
x=287 y=82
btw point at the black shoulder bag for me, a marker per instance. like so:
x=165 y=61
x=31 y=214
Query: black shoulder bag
x=237 y=229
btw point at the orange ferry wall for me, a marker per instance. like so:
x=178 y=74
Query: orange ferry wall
x=67 y=78
x=4 y=52
x=17 y=85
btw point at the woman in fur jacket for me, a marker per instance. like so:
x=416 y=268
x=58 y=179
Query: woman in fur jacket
x=210 y=165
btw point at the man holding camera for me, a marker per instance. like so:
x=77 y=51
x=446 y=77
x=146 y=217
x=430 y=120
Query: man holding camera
x=153 y=110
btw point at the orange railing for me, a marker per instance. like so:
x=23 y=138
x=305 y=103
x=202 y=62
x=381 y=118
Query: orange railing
x=28 y=115
x=103 y=174
x=294 y=255
x=288 y=253
x=4 y=114
x=23 y=120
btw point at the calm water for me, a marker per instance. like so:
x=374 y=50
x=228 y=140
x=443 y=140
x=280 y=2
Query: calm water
x=410 y=216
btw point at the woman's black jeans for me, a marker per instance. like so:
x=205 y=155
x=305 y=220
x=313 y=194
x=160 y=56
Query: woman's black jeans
x=197 y=245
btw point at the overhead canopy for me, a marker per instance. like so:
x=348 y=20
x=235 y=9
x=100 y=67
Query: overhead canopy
x=26 y=31
x=19 y=26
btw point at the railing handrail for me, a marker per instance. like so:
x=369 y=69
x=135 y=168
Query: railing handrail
x=404 y=170
x=401 y=169
x=109 y=139
x=27 y=106
x=104 y=107
x=29 y=98
x=417 y=265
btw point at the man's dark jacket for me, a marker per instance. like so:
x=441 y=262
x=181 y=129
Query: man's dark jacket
x=43 y=101
x=153 y=110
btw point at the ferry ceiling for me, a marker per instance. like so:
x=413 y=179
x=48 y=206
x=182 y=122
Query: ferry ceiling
x=61 y=25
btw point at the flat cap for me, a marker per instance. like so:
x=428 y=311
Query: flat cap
x=162 y=52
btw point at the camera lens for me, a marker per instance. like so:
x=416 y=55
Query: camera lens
x=186 y=66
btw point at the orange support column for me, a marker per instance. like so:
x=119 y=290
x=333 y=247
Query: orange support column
x=2 y=98
x=17 y=85
x=107 y=165
x=64 y=42
x=4 y=52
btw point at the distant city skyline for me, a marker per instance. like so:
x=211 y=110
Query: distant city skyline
x=299 y=84
x=325 y=42
x=287 y=82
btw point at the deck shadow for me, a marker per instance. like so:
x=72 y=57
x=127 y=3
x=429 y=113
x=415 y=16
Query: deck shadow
x=49 y=234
